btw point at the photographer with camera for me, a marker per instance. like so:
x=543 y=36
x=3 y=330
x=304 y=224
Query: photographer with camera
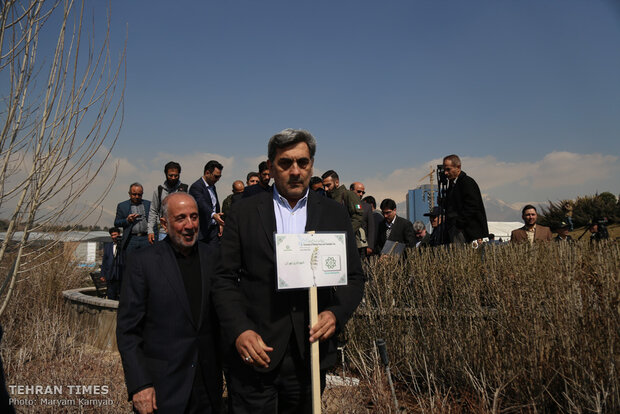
x=465 y=217
x=598 y=229
x=133 y=215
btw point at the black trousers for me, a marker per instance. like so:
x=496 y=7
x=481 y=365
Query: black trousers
x=284 y=390
x=199 y=398
x=114 y=288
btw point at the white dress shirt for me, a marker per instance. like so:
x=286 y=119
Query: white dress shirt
x=290 y=220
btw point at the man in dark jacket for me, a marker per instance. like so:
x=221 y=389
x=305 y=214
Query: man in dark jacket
x=203 y=190
x=366 y=236
x=393 y=227
x=266 y=330
x=111 y=264
x=466 y=219
x=166 y=327
x=340 y=194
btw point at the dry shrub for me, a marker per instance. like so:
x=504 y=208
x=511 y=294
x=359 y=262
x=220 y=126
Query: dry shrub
x=507 y=328
x=41 y=347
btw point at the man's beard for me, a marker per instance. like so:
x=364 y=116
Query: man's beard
x=179 y=241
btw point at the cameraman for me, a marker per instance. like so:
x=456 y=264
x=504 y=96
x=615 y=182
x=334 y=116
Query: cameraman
x=598 y=230
x=466 y=219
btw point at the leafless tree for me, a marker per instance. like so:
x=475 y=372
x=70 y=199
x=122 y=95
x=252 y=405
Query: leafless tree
x=60 y=115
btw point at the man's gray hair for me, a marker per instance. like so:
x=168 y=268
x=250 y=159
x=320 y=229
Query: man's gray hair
x=418 y=225
x=454 y=160
x=136 y=184
x=164 y=202
x=289 y=137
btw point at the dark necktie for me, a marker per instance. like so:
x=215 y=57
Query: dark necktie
x=217 y=201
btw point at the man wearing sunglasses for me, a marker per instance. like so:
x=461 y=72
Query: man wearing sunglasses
x=267 y=330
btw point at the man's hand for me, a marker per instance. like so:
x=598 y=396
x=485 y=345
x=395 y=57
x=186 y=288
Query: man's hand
x=221 y=231
x=151 y=238
x=250 y=344
x=368 y=251
x=324 y=328
x=144 y=401
x=218 y=218
x=132 y=217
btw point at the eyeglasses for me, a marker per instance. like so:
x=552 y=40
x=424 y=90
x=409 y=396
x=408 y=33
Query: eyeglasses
x=286 y=163
x=136 y=194
x=360 y=192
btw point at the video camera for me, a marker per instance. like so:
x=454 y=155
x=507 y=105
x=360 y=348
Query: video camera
x=601 y=232
x=442 y=179
x=600 y=221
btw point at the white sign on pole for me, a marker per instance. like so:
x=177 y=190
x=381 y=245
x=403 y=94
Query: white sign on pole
x=311 y=259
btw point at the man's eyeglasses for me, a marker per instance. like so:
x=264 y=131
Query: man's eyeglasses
x=360 y=192
x=286 y=163
x=136 y=194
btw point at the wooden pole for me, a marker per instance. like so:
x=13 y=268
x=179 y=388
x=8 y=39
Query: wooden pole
x=315 y=365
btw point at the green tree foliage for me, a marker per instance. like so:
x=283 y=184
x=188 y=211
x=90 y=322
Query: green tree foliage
x=585 y=209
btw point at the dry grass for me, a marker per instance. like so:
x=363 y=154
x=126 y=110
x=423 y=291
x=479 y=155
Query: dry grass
x=515 y=329
x=40 y=347
x=509 y=329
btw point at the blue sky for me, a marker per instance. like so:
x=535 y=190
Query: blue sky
x=527 y=92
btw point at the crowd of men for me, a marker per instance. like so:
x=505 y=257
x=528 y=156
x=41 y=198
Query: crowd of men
x=195 y=277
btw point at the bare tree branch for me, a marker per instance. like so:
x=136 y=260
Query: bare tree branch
x=56 y=137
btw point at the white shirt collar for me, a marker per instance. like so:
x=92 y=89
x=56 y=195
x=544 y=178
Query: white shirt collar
x=284 y=202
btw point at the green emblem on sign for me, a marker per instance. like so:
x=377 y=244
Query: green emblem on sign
x=330 y=263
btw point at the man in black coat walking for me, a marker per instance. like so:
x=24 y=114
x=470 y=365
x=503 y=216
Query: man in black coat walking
x=166 y=327
x=466 y=219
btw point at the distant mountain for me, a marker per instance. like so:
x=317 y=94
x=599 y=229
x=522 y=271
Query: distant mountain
x=497 y=210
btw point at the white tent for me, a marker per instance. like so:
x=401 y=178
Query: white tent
x=503 y=228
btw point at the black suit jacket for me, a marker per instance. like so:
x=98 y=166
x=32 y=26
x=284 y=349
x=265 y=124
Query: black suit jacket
x=208 y=229
x=244 y=291
x=402 y=232
x=159 y=341
x=368 y=224
x=110 y=265
x=465 y=209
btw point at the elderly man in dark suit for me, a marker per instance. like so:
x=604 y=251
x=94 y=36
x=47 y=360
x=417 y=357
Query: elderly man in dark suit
x=133 y=215
x=166 y=327
x=267 y=330
x=203 y=190
x=466 y=219
x=393 y=227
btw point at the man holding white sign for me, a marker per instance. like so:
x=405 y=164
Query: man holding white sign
x=268 y=328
